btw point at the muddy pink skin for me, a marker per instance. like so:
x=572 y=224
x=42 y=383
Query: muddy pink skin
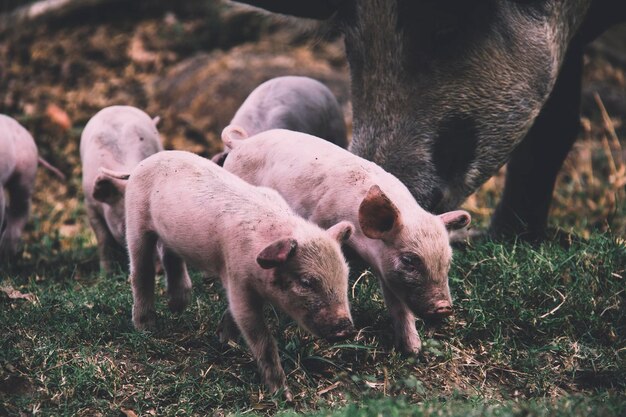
x=18 y=167
x=407 y=247
x=295 y=103
x=116 y=138
x=262 y=251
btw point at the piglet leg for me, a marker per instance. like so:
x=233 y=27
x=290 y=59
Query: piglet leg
x=19 y=188
x=405 y=334
x=247 y=311
x=141 y=250
x=178 y=281
x=110 y=252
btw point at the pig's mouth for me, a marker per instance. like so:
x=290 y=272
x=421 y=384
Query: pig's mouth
x=336 y=332
x=341 y=335
x=437 y=318
x=437 y=315
x=433 y=314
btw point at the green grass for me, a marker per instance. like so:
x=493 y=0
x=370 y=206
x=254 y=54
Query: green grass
x=537 y=331
x=575 y=406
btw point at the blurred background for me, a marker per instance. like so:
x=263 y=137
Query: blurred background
x=193 y=62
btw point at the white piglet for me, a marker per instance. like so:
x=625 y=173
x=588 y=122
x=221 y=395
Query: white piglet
x=262 y=251
x=407 y=247
x=117 y=138
x=291 y=102
x=18 y=168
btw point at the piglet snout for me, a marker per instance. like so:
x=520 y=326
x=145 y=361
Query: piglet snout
x=342 y=330
x=442 y=310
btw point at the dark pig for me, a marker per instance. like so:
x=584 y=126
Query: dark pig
x=445 y=92
x=18 y=167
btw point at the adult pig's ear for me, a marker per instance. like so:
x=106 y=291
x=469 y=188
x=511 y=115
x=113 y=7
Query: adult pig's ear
x=457 y=219
x=277 y=253
x=311 y=9
x=108 y=190
x=379 y=218
x=341 y=232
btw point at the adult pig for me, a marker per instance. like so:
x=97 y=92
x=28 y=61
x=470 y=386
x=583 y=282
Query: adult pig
x=116 y=138
x=18 y=167
x=295 y=103
x=213 y=220
x=445 y=92
x=407 y=247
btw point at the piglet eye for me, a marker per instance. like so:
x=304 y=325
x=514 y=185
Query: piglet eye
x=306 y=282
x=411 y=262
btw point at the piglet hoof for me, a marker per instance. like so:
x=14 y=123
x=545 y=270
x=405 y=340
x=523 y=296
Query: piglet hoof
x=282 y=393
x=287 y=395
x=145 y=320
x=179 y=301
x=409 y=347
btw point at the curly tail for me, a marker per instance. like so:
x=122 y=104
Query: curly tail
x=51 y=168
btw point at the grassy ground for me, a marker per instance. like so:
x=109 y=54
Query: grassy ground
x=537 y=331
x=568 y=407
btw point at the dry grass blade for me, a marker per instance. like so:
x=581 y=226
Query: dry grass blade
x=128 y=413
x=618 y=169
x=328 y=388
x=357 y=281
x=554 y=310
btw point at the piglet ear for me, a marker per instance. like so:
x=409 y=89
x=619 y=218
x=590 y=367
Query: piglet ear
x=232 y=134
x=378 y=216
x=455 y=220
x=277 y=253
x=108 y=190
x=341 y=232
